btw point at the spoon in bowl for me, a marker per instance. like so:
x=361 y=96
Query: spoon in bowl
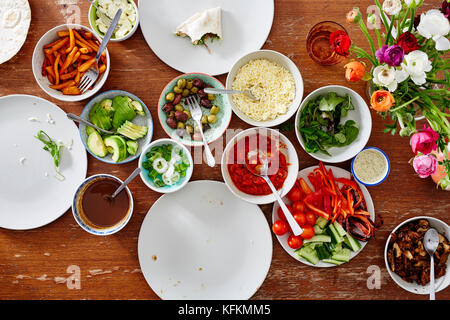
x=262 y=171
x=431 y=242
x=123 y=185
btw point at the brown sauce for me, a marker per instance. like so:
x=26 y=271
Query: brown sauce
x=99 y=209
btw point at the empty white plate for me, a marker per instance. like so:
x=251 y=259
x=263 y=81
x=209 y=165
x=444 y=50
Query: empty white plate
x=202 y=242
x=245 y=27
x=30 y=195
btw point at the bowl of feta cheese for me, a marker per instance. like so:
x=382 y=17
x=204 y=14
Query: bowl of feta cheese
x=101 y=13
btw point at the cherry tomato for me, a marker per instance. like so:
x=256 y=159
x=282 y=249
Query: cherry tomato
x=295 y=242
x=299 y=206
x=300 y=217
x=308 y=232
x=281 y=215
x=280 y=227
x=295 y=194
x=311 y=218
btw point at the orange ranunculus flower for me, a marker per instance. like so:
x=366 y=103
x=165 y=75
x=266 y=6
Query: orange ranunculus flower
x=354 y=71
x=382 y=100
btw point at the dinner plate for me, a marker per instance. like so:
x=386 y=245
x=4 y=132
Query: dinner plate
x=30 y=194
x=338 y=173
x=245 y=27
x=204 y=243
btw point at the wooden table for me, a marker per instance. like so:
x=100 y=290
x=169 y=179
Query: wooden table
x=34 y=264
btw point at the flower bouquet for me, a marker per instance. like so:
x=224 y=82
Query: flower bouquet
x=409 y=76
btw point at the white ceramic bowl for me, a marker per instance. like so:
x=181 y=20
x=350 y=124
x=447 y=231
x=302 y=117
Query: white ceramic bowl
x=144 y=173
x=91 y=18
x=38 y=59
x=291 y=156
x=442 y=282
x=283 y=61
x=90 y=228
x=361 y=115
x=385 y=174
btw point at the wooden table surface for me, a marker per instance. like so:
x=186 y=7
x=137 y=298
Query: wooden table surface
x=34 y=264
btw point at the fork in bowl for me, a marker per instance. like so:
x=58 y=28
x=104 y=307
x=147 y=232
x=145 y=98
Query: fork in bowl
x=196 y=114
x=92 y=73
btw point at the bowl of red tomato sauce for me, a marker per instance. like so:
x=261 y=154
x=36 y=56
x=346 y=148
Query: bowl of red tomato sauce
x=241 y=163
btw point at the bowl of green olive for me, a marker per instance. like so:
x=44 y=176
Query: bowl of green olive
x=174 y=115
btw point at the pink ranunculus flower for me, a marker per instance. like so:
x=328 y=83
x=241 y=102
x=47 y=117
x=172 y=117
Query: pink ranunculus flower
x=425 y=165
x=424 y=141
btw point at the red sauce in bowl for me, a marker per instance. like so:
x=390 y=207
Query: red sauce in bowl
x=244 y=156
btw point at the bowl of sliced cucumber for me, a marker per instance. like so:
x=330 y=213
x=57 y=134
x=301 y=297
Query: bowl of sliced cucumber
x=129 y=120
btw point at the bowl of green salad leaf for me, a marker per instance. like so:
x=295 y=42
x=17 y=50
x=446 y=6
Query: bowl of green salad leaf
x=333 y=124
x=166 y=165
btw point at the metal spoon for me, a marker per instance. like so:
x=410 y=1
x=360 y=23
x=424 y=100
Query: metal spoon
x=431 y=242
x=73 y=117
x=262 y=172
x=124 y=184
x=247 y=92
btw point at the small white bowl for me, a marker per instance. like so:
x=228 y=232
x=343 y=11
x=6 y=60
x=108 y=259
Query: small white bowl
x=291 y=156
x=440 y=283
x=38 y=59
x=283 y=61
x=92 y=16
x=361 y=115
x=383 y=177
x=144 y=172
x=93 y=229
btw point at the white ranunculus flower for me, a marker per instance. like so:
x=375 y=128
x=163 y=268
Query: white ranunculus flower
x=433 y=24
x=416 y=64
x=392 y=7
x=389 y=77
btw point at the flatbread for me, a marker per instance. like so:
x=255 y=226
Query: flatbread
x=201 y=23
x=15 y=18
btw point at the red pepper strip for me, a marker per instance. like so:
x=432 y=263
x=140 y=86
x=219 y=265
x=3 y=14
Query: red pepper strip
x=327 y=204
x=322 y=169
x=362 y=212
x=322 y=177
x=350 y=202
x=317 y=211
x=314 y=181
x=348 y=182
x=361 y=198
x=304 y=186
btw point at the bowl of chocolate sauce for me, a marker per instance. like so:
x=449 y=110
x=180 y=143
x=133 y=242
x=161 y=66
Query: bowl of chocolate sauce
x=94 y=209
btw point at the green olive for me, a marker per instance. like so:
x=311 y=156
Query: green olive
x=180 y=125
x=194 y=90
x=197 y=129
x=177 y=89
x=185 y=93
x=204 y=119
x=189 y=129
x=188 y=113
x=179 y=107
x=211 y=97
x=189 y=84
x=212 y=118
x=214 y=110
x=171 y=114
x=181 y=83
x=170 y=96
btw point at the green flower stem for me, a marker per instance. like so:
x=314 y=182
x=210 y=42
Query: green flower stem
x=383 y=16
x=404 y=104
x=389 y=32
x=362 y=53
x=363 y=28
x=411 y=24
x=402 y=23
x=380 y=42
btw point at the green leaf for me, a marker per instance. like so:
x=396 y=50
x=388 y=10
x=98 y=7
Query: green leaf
x=330 y=103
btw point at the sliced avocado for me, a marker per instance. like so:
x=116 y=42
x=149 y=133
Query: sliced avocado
x=132 y=131
x=137 y=106
x=89 y=130
x=123 y=111
x=132 y=147
x=96 y=145
x=100 y=117
x=119 y=146
x=106 y=104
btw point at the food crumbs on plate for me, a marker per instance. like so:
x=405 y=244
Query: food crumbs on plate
x=154 y=258
x=200 y=269
x=22 y=160
x=50 y=119
x=33 y=119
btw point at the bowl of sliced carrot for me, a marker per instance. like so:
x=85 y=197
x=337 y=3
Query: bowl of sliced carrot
x=61 y=58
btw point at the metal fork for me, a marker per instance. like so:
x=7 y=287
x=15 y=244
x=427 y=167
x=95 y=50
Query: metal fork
x=92 y=73
x=196 y=114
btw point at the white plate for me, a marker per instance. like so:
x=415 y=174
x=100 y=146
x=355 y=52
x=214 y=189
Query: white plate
x=28 y=198
x=245 y=27
x=204 y=243
x=338 y=173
